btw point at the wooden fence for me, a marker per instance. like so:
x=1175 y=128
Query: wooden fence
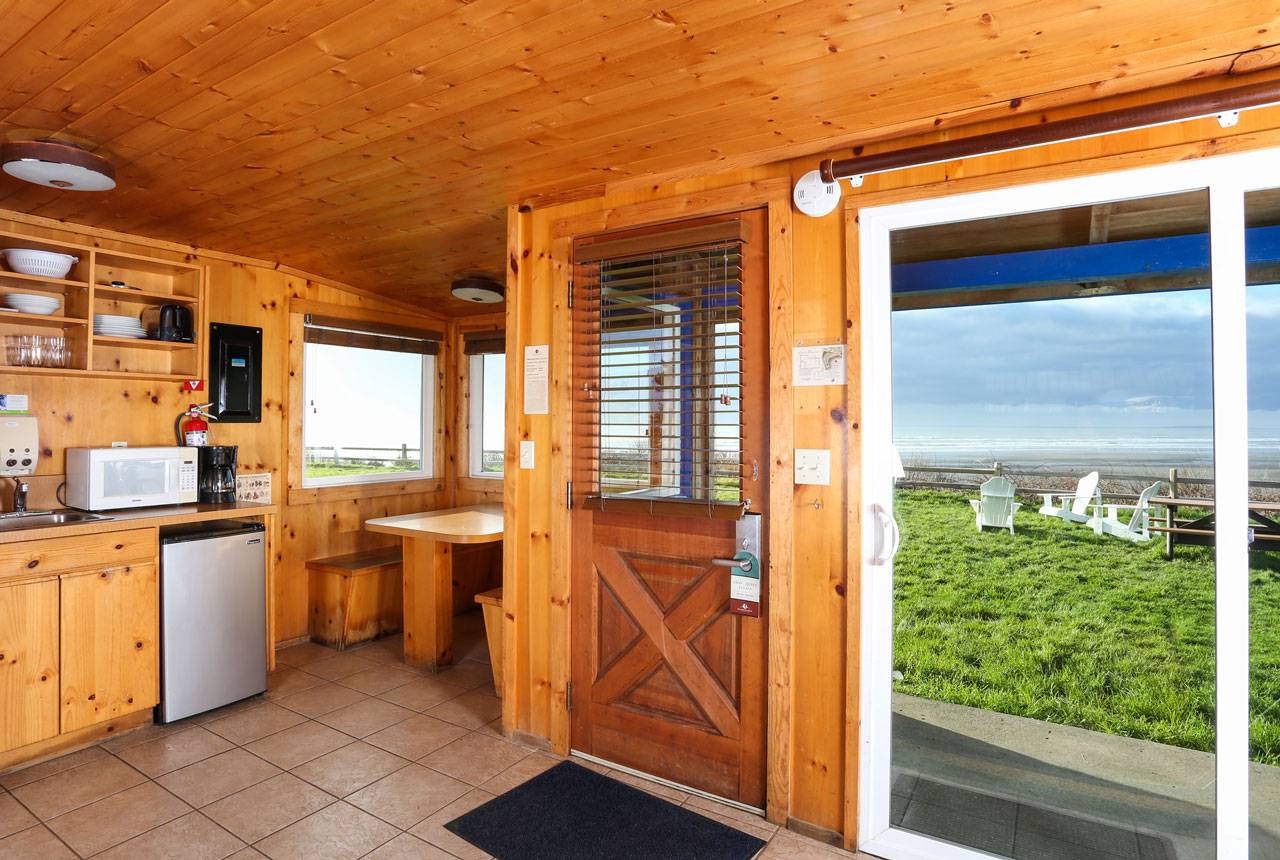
x=1176 y=483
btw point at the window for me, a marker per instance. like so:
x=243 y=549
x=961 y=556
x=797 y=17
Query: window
x=659 y=353
x=487 y=381
x=369 y=398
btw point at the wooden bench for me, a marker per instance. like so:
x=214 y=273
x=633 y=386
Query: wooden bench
x=491 y=603
x=355 y=597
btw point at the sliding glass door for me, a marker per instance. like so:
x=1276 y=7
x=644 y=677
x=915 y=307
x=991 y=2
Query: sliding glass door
x=1059 y=443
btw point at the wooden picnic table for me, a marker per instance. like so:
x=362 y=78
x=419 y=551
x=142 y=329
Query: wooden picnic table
x=427 y=540
x=1202 y=531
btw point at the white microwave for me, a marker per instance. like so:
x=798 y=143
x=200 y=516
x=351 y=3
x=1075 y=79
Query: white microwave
x=105 y=479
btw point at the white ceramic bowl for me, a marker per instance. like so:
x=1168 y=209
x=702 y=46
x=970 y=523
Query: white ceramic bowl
x=30 y=304
x=47 y=264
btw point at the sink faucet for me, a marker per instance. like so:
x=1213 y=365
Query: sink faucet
x=20 y=488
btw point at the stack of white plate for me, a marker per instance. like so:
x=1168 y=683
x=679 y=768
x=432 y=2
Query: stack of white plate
x=32 y=304
x=114 y=325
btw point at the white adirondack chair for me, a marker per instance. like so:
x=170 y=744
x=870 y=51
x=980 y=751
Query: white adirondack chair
x=995 y=507
x=1073 y=507
x=1137 y=529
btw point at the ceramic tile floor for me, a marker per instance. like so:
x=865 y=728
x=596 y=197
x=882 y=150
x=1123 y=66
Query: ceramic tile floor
x=347 y=755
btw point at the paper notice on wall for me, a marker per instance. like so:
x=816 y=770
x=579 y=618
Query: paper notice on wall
x=536 y=366
x=254 y=488
x=818 y=365
x=13 y=404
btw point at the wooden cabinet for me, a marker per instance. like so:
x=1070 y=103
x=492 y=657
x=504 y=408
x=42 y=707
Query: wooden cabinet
x=110 y=626
x=79 y=633
x=28 y=662
x=80 y=552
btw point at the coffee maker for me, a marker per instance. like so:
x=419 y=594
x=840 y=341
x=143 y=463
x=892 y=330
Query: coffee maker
x=218 y=473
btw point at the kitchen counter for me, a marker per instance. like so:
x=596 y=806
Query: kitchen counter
x=134 y=518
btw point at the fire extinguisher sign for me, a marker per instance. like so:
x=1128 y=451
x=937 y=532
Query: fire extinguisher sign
x=193 y=385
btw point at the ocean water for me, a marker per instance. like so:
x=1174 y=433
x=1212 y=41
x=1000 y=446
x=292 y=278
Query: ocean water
x=1153 y=451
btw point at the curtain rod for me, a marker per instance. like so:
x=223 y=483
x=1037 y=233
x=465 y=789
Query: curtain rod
x=1224 y=104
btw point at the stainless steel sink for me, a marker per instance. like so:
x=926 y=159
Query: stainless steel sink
x=44 y=519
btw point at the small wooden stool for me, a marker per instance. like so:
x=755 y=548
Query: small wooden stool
x=355 y=597
x=491 y=603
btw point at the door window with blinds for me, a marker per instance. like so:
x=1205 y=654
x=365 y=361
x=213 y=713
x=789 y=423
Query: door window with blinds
x=369 y=401
x=658 y=333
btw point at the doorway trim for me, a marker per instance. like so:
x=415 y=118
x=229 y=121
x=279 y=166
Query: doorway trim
x=868 y=229
x=773 y=194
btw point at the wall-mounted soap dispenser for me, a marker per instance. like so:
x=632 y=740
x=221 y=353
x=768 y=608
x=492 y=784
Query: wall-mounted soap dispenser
x=19 y=445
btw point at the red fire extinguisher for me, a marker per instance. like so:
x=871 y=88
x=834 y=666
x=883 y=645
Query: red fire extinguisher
x=194 y=431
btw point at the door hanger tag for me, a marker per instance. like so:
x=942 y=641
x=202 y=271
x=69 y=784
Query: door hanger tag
x=744 y=586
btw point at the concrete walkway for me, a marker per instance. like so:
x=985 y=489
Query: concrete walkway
x=1098 y=795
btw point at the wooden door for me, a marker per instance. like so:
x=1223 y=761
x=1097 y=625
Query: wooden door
x=28 y=663
x=110 y=635
x=665 y=679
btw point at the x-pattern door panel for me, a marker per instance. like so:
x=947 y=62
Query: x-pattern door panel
x=674 y=607
x=667 y=676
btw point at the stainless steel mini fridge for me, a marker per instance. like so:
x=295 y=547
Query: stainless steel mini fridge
x=213 y=616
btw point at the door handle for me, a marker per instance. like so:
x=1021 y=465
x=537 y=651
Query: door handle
x=744 y=566
x=885 y=524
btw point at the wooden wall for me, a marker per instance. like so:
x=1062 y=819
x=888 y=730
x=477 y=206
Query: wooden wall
x=94 y=412
x=814 y=730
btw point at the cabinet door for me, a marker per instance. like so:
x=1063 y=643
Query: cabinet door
x=28 y=663
x=110 y=633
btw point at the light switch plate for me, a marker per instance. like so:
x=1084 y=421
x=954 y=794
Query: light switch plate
x=526 y=455
x=813 y=466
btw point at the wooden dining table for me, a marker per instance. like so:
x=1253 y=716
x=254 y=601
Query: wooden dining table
x=427 y=539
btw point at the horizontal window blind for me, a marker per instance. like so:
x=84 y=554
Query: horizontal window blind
x=658 y=358
x=361 y=334
x=484 y=342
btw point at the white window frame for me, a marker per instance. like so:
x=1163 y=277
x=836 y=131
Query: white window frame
x=426 y=441
x=1227 y=179
x=475 y=423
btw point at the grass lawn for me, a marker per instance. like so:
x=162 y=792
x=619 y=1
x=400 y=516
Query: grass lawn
x=1058 y=624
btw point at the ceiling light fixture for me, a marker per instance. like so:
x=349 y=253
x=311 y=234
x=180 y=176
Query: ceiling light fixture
x=479 y=289
x=57 y=164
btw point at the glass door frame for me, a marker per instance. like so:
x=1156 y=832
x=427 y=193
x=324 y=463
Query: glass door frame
x=1226 y=178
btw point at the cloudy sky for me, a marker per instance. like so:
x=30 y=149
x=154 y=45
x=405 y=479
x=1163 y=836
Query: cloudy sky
x=1107 y=367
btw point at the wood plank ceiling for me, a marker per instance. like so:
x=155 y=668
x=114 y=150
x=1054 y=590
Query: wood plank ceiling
x=378 y=142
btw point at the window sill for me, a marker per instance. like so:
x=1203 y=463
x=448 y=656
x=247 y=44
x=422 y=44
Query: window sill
x=369 y=490
x=472 y=484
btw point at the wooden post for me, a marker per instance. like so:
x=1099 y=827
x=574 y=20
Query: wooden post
x=427 y=580
x=1168 y=515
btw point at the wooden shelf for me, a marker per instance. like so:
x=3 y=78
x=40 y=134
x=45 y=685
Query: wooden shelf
x=146 y=297
x=43 y=284
x=140 y=343
x=136 y=262
x=41 y=320
x=93 y=374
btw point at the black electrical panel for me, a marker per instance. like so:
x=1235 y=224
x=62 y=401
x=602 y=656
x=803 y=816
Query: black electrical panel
x=235 y=373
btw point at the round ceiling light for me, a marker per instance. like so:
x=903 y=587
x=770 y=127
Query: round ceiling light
x=57 y=164
x=483 y=290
